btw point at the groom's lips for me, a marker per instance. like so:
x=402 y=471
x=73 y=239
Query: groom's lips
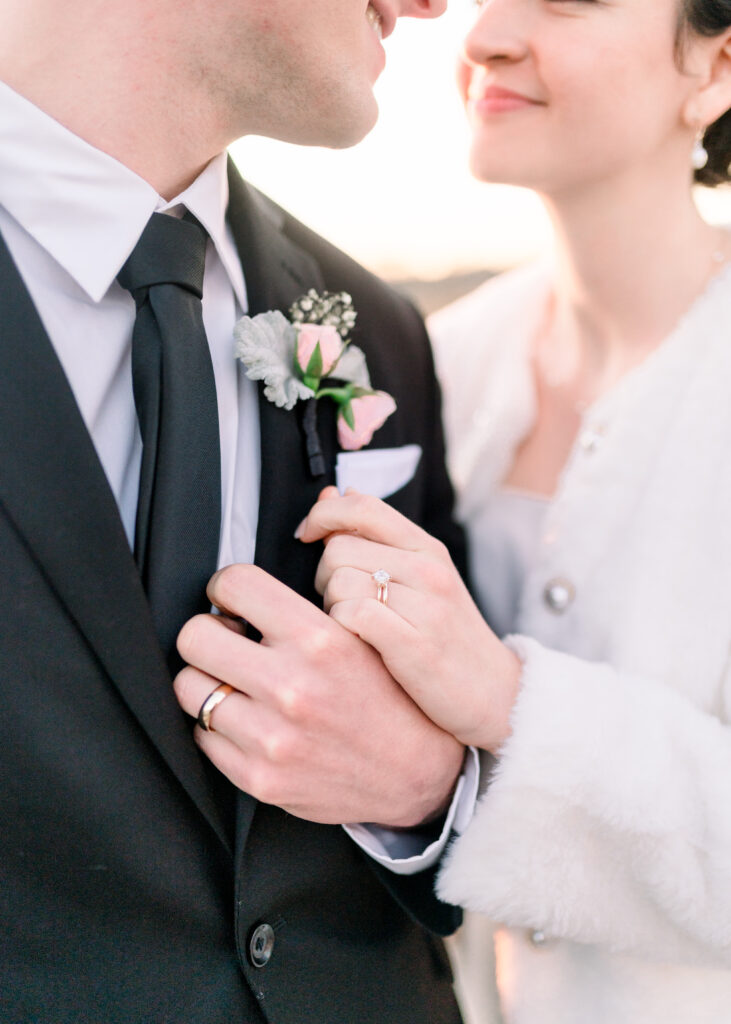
x=388 y=18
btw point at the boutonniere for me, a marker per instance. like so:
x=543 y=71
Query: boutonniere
x=309 y=357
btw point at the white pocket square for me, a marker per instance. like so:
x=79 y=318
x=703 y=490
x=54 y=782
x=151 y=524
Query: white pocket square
x=377 y=471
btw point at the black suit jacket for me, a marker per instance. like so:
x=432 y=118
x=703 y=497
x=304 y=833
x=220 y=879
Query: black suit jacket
x=125 y=894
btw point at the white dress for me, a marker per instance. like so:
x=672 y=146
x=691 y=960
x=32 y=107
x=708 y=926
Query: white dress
x=602 y=847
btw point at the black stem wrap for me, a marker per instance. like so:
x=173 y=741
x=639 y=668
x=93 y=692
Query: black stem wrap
x=315 y=456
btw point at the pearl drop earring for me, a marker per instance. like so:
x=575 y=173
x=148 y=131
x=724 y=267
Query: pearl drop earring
x=699 y=153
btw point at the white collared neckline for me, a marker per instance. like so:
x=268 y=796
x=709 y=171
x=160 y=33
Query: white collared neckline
x=84 y=207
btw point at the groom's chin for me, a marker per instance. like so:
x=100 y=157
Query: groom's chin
x=353 y=133
x=336 y=125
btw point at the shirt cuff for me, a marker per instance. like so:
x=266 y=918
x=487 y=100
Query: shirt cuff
x=405 y=851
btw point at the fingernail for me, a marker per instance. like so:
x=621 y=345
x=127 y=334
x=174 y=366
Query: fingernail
x=300 y=529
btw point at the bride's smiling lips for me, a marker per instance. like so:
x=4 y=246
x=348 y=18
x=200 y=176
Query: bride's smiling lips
x=493 y=99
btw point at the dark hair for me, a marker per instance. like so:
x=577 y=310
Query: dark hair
x=710 y=18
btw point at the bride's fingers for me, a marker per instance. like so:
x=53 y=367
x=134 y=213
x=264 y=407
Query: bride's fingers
x=347 y=584
x=391 y=635
x=347 y=550
x=366 y=516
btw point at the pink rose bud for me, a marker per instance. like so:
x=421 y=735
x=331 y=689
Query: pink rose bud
x=331 y=346
x=369 y=412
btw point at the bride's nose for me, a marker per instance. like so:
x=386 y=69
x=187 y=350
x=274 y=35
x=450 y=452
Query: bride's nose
x=499 y=33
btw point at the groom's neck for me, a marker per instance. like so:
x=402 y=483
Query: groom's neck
x=116 y=85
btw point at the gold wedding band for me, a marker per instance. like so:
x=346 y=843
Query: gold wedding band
x=382 y=579
x=212 y=701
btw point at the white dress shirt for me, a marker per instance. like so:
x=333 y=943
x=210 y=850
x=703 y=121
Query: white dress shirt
x=71 y=215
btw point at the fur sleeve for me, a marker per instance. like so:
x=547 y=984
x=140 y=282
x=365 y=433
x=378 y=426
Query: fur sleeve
x=608 y=820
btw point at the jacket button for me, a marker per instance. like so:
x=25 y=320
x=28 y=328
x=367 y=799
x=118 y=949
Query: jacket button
x=558 y=595
x=261 y=945
x=538 y=938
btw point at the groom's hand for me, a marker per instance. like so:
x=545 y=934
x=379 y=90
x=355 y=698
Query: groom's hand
x=316 y=725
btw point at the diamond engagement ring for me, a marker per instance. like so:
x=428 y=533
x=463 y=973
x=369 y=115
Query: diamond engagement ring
x=381 y=578
x=212 y=701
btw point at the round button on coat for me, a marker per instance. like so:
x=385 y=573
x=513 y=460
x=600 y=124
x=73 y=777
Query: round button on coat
x=558 y=595
x=590 y=439
x=261 y=945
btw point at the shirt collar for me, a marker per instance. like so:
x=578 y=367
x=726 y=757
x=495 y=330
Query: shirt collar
x=87 y=209
x=207 y=199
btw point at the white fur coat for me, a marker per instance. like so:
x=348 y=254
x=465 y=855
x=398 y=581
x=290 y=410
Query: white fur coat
x=607 y=826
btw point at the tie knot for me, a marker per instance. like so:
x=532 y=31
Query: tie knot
x=169 y=251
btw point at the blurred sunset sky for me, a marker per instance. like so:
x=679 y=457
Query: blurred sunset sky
x=403 y=202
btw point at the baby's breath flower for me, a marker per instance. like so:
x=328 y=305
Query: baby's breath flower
x=331 y=309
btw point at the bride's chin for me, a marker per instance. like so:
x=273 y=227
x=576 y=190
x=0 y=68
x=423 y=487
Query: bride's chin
x=491 y=173
x=493 y=167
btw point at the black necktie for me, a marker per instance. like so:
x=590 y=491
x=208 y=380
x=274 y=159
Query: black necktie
x=179 y=506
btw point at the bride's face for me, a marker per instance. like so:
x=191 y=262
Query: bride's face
x=565 y=92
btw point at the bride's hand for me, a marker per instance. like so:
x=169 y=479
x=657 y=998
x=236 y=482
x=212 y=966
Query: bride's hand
x=430 y=633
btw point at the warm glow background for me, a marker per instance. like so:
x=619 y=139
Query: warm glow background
x=402 y=202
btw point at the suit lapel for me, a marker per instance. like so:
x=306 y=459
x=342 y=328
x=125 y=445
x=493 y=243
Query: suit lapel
x=54 y=490
x=277 y=272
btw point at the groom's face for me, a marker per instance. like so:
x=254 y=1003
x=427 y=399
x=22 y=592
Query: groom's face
x=300 y=70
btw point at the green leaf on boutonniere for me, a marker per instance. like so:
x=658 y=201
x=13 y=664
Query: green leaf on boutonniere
x=314 y=367
x=340 y=394
x=346 y=411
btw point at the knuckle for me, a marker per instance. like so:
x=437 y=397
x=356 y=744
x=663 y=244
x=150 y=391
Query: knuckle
x=368 y=508
x=440 y=550
x=317 y=644
x=230 y=582
x=189 y=637
x=337 y=587
x=361 y=613
x=367 y=503
x=336 y=551
x=291 y=699
x=277 y=746
x=437 y=578
x=184 y=683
